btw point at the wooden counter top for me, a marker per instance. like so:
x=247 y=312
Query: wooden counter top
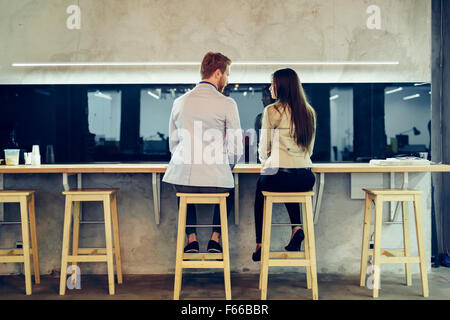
x=241 y=168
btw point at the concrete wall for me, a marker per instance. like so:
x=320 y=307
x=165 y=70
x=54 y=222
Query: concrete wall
x=150 y=249
x=177 y=30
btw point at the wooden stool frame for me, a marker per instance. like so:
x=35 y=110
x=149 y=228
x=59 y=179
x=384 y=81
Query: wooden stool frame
x=73 y=203
x=288 y=259
x=27 y=211
x=202 y=260
x=378 y=196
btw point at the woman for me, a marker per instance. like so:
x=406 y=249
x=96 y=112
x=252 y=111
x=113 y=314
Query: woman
x=287 y=140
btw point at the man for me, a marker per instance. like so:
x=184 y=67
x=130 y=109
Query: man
x=266 y=100
x=205 y=137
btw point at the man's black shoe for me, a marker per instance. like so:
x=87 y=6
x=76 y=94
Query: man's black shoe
x=214 y=247
x=192 y=247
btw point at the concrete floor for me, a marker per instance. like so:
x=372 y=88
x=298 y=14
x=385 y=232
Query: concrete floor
x=290 y=286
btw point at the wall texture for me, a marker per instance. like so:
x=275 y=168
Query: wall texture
x=250 y=30
x=150 y=249
x=170 y=30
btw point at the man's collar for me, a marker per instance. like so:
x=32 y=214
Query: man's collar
x=209 y=84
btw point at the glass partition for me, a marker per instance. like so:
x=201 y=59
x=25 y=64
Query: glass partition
x=129 y=123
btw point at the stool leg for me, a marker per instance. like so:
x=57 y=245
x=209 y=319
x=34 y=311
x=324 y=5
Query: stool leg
x=180 y=248
x=420 y=244
x=115 y=220
x=262 y=252
x=76 y=234
x=65 y=244
x=267 y=223
x=34 y=244
x=226 y=249
x=377 y=245
x=365 y=240
x=406 y=240
x=306 y=246
x=109 y=243
x=26 y=244
x=312 y=247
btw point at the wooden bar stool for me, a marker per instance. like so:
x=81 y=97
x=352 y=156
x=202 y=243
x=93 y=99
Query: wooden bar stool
x=392 y=256
x=73 y=200
x=288 y=259
x=26 y=200
x=202 y=260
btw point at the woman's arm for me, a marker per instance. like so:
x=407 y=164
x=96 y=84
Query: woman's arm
x=264 y=147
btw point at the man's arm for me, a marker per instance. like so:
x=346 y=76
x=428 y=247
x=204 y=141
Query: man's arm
x=265 y=138
x=234 y=144
x=174 y=139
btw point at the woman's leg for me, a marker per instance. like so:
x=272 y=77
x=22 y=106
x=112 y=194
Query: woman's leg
x=290 y=182
x=258 y=211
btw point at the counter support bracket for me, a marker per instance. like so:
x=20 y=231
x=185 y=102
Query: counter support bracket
x=236 y=198
x=2 y=207
x=66 y=186
x=394 y=212
x=318 y=196
x=156 y=184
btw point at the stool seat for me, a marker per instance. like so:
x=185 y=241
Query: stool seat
x=203 y=195
x=379 y=191
x=289 y=259
x=17 y=192
x=74 y=198
x=383 y=256
x=202 y=260
x=90 y=191
x=27 y=213
x=288 y=194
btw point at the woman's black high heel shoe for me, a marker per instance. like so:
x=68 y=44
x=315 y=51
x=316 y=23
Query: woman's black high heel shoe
x=296 y=241
x=256 y=256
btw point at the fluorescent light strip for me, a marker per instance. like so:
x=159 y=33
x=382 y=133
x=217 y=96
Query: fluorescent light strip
x=168 y=64
x=99 y=94
x=334 y=97
x=153 y=95
x=411 y=97
x=394 y=90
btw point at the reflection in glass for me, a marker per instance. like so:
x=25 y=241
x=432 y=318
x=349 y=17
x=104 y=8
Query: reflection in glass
x=341 y=123
x=104 y=114
x=407 y=117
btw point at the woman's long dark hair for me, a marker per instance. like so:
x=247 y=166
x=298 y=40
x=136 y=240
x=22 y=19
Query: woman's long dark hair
x=289 y=93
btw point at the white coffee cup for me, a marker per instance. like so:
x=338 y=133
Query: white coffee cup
x=28 y=158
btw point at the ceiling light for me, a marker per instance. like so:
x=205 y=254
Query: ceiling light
x=99 y=94
x=168 y=64
x=411 y=97
x=334 y=97
x=153 y=95
x=394 y=90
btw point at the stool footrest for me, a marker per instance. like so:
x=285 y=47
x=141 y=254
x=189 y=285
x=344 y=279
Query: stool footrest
x=87 y=258
x=402 y=260
x=13 y=252
x=288 y=263
x=203 y=264
x=92 y=251
x=286 y=255
x=390 y=252
x=202 y=256
x=11 y=259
